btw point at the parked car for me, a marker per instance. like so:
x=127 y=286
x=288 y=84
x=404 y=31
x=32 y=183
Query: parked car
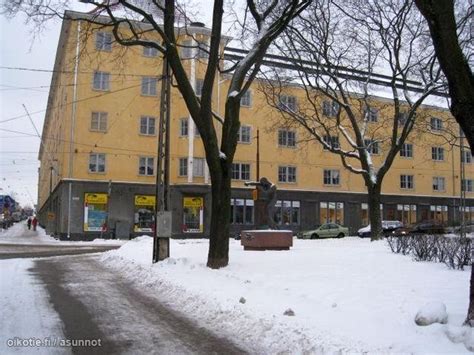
x=424 y=227
x=326 y=230
x=387 y=227
x=468 y=228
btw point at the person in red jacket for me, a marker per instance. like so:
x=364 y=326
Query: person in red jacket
x=34 y=222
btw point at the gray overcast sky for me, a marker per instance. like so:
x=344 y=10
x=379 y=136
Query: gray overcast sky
x=19 y=152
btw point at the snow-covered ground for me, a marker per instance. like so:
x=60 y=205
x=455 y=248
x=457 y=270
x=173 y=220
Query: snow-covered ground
x=26 y=312
x=346 y=294
x=19 y=234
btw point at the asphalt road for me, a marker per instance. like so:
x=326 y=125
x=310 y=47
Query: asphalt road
x=94 y=302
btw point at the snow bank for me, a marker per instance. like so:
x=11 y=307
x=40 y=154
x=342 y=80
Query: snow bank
x=434 y=312
x=347 y=295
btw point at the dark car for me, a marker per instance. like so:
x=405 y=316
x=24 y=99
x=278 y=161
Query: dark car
x=424 y=227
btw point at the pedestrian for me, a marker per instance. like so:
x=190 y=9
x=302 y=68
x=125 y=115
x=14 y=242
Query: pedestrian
x=28 y=223
x=34 y=222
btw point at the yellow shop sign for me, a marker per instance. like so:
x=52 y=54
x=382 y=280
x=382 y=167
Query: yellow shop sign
x=196 y=202
x=145 y=200
x=95 y=199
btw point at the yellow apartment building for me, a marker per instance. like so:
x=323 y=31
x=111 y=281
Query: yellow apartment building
x=98 y=158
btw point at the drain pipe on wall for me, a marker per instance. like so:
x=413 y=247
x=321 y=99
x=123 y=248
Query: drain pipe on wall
x=73 y=122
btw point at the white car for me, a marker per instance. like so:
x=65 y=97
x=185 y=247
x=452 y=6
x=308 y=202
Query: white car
x=387 y=226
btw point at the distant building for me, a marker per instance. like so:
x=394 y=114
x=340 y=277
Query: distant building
x=98 y=158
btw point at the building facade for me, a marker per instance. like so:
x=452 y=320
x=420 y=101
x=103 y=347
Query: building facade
x=98 y=157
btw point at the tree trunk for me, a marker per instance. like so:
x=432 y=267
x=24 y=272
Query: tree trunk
x=220 y=221
x=375 y=216
x=470 y=312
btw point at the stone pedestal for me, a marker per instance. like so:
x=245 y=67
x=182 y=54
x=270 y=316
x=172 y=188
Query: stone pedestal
x=266 y=239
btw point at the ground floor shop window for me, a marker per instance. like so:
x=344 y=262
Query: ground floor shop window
x=193 y=214
x=241 y=211
x=144 y=213
x=406 y=214
x=439 y=214
x=95 y=212
x=468 y=212
x=287 y=212
x=331 y=212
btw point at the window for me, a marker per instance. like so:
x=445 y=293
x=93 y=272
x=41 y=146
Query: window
x=436 y=124
x=287 y=103
x=149 y=86
x=331 y=212
x=372 y=146
x=331 y=177
x=150 y=52
x=183 y=166
x=198 y=166
x=406 y=181
x=246 y=100
x=330 y=108
x=402 y=118
x=287 y=174
x=439 y=214
x=438 y=183
x=467 y=185
x=146 y=166
x=99 y=121
x=103 y=41
x=187 y=49
x=96 y=163
x=406 y=214
x=437 y=153
x=287 y=212
x=407 y=150
x=241 y=211
x=203 y=50
x=466 y=157
x=468 y=212
x=147 y=125
x=332 y=141
x=286 y=138
x=371 y=114
x=240 y=171
x=101 y=81
x=244 y=134
x=199 y=84
x=183 y=127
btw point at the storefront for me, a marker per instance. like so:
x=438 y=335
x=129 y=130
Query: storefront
x=95 y=212
x=144 y=214
x=193 y=215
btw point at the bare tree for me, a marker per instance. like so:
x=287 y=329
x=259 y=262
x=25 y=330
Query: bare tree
x=268 y=18
x=336 y=61
x=440 y=16
x=455 y=63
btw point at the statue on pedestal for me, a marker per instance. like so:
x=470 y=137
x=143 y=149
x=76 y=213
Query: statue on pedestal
x=265 y=203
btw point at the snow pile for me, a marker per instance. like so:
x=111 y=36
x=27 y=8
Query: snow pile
x=347 y=295
x=434 y=312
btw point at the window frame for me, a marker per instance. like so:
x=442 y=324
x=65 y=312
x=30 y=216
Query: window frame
x=146 y=166
x=329 y=179
x=103 y=79
x=409 y=181
x=184 y=127
x=149 y=86
x=183 y=167
x=241 y=134
x=246 y=99
x=150 y=52
x=148 y=119
x=100 y=119
x=97 y=163
x=437 y=153
x=436 y=124
x=288 y=103
x=240 y=171
x=284 y=171
x=284 y=138
x=436 y=181
x=402 y=149
x=103 y=41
